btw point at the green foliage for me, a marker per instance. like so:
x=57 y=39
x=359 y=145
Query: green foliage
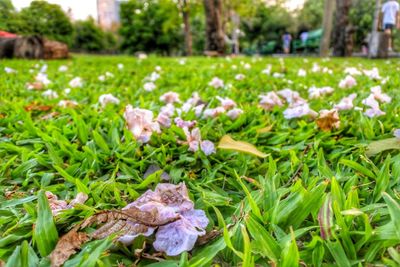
x=150 y=26
x=46 y=19
x=310 y=16
x=91 y=38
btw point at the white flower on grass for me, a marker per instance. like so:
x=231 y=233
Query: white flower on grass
x=327 y=70
x=233 y=114
x=43 y=69
x=377 y=92
x=9 y=70
x=158 y=68
x=226 y=103
x=142 y=56
x=76 y=82
x=352 y=71
x=154 y=76
x=247 y=66
x=149 y=86
x=293 y=98
x=109 y=74
x=278 y=75
x=67 y=91
x=42 y=78
x=108 y=99
x=102 y=78
x=302 y=73
x=270 y=100
x=267 y=70
x=140 y=122
x=373 y=74
x=239 y=77
x=396 y=133
x=170 y=97
x=62 y=68
x=184 y=124
x=213 y=112
x=67 y=103
x=348 y=82
x=315 y=92
x=316 y=68
x=120 y=66
x=374 y=110
x=234 y=67
x=50 y=94
x=299 y=111
x=346 y=103
x=216 y=83
x=193 y=139
x=182 y=62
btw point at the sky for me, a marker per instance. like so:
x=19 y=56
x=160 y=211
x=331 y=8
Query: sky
x=81 y=9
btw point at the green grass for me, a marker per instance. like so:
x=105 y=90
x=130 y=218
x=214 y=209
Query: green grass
x=269 y=219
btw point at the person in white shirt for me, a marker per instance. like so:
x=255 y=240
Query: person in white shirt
x=390 y=18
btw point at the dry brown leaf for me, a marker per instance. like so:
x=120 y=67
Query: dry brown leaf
x=37 y=107
x=227 y=142
x=328 y=120
x=35 y=86
x=66 y=246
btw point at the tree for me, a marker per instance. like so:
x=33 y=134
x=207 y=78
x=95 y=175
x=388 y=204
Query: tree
x=310 y=17
x=327 y=27
x=185 y=9
x=9 y=20
x=88 y=36
x=342 y=33
x=215 y=39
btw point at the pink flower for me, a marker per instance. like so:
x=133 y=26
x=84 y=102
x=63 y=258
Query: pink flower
x=76 y=82
x=374 y=110
x=352 y=71
x=184 y=124
x=315 y=92
x=293 y=98
x=50 y=94
x=302 y=73
x=233 y=114
x=377 y=92
x=140 y=123
x=108 y=99
x=346 y=103
x=348 y=82
x=270 y=100
x=373 y=74
x=299 y=111
x=213 y=112
x=193 y=139
x=170 y=97
x=396 y=133
x=216 y=83
x=207 y=147
x=149 y=86
x=226 y=103
x=239 y=77
x=164 y=120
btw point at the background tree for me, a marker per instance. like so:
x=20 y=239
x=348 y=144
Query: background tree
x=342 y=31
x=215 y=39
x=150 y=26
x=329 y=9
x=310 y=16
x=89 y=37
x=46 y=19
x=184 y=6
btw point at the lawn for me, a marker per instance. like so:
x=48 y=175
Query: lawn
x=298 y=191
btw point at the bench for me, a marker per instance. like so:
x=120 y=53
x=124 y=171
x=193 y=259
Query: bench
x=269 y=48
x=311 y=44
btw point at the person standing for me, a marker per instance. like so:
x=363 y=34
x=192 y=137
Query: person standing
x=390 y=19
x=286 y=39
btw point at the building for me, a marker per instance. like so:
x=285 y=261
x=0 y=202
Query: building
x=108 y=14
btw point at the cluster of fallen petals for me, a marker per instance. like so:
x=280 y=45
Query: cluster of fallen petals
x=58 y=206
x=167 y=211
x=141 y=123
x=195 y=142
x=108 y=99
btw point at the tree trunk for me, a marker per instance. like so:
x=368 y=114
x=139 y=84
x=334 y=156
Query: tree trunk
x=214 y=29
x=187 y=31
x=327 y=28
x=342 y=36
x=235 y=32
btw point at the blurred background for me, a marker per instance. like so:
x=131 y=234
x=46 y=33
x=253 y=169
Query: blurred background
x=179 y=27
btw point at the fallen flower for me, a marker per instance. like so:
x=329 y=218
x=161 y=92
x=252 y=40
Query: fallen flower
x=193 y=139
x=140 y=123
x=293 y=98
x=76 y=82
x=9 y=70
x=233 y=114
x=108 y=99
x=315 y=92
x=352 y=71
x=328 y=120
x=377 y=92
x=348 y=82
x=226 y=102
x=302 y=73
x=62 y=68
x=239 y=77
x=170 y=97
x=149 y=86
x=184 y=124
x=373 y=74
x=50 y=94
x=346 y=103
x=270 y=100
x=299 y=111
x=216 y=83
x=213 y=112
x=396 y=133
x=67 y=103
x=57 y=206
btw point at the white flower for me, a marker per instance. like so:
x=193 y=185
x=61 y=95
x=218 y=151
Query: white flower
x=352 y=71
x=348 y=82
x=233 y=114
x=234 y=67
x=76 y=82
x=120 y=66
x=42 y=78
x=278 y=75
x=158 y=68
x=293 y=98
x=62 y=68
x=67 y=91
x=326 y=70
x=140 y=123
x=142 y=55
x=102 y=78
x=149 y=86
x=247 y=66
x=182 y=62
x=170 y=97
x=154 y=76
x=267 y=70
x=374 y=110
x=9 y=70
x=213 y=112
x=373 y=74
x=109 y=74
x=396 y=133
x=377 y=92
x=184 y=124
x=299 y=111
x=328 y=119
x=216 y=83
x=226 y=102
x=50 y=94
x=193 y=139
x=239 y=77
x=270 y=100
x=207 y=147
x=316 y=68
x=108 y=98
x=67 y=103
x=302 y=73
x=43 y=69
x=346 y=103
x=315 y=92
